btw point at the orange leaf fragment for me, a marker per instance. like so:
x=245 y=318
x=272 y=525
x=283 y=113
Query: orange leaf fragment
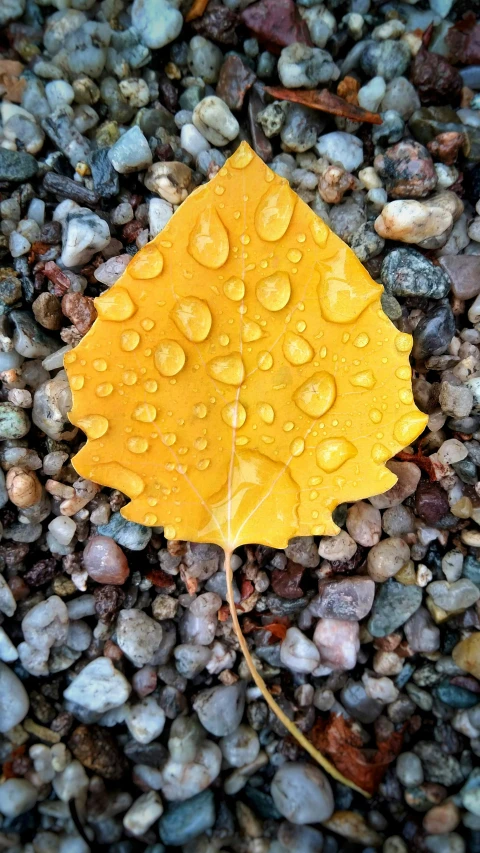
x=230 y=384
x=196 y=10
x=322 y=99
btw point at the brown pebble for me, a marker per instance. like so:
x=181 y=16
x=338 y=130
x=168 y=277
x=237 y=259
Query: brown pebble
x=234 y=81
x=112 y=651
x=42 y=572
x=334 y=183
x=446 y=146
x=23 y=487
x=442 y=819
x=80 y=310
x=47 y=311
x=286 y=582
x=98 y=751
x=431 y=502
x=108 y=601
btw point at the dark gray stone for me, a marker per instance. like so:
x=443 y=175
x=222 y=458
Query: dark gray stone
x=406 y=272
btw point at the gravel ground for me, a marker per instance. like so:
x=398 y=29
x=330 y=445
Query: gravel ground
x=128 y=718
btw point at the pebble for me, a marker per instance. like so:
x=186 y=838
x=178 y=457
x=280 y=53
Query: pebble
x=125 y=533
x=139 y=636
x=183 y=778
x=17 y=796
x=364 y=524
x=14 y=702
x=143 y=813
x=298 y=653
x=400 y=96
x=387 y=558
x=409 y=769
x=406 y=272
x=387 y=59
x=51 y=403
x=393 y=606
x=303 y=550
x=157 y=22
x=241 y=747
x=421 y=632
x=192 y=140
x=220 y=709
x=348 y=599
x=303 y=66
x=466 y=654
x=145 y=720
x=85 y=233
x=433 y=333
x=17 y=166
x=29 y=338
x=407 y=170
x=131 y=152
x=185 y=821
x=464 y=274
x=338 y=643
x=302 y=793
x=14 y=422
x=342 y=149
x=214 y=120
x=456 y=596
x=340 y=547
x=105 y=561
x=370 y=96
x=412 y=221
x=172 y=181
x=99 y=687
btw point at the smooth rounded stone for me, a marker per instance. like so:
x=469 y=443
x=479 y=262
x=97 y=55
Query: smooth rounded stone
x=454 y=696
x=127 y=534
x=448 y=843
x=398 y=521
x=366 y=243
x=105 y=561
x=63 y=529
x=143 y=813
x=412 y=221
x=14 y=701
x=138 y=635
x=452 y=565
x=17 y=796
x=182 y=779
x=457 y=400
x=191 y=658
x=387 y=558
x=14 y=422
x=157 y=22
x=407 y=170
x=70 y=782
x=99 y=687
x=348 y=599
x=299 y=839
x=79 y=636
x=433 y=333
x=18 y=245
x=145 y=720
x=204 y=59
x=387 y=59
x=29 y=339
x=215 y=121
x=241 y=747
x=320 y=22
x=302 y=793
x=409 y=769
x=338 y=642
x=220 y=709
x=160 y=212
x=390 y=130
x=371 y=94
x=304 y=551
x=192 y=140
x=466 y=655
x=84 y=234
x=340 y=547
x=183 y=822
x=452 y=597
x=298 y=653
x=452 y=451
x=394 y=605
x=8 y=651
x=301 y=128
x=17 y=166
x=464 y=274
x=360 y=706
x=199 y=623
x=46 y=624
x=171 y=180
x=131 y=152
x=406 y=272
x=51 y=403
x=186 y=735
x=8 y=604
x=342 y=149
x=364 y=524
x=421 y=632
x=401 y=96
x=303 y=66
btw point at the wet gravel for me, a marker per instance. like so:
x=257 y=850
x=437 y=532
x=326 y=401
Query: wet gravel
x=128 y=718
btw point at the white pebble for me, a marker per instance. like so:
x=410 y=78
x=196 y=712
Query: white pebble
x=98 y=687
x=298 y=653
x=59 y=93
x=71 y=782
x=63 y=528
x=302 y=793
x=18 y=245
x=8 y=652
x=192 y=140
x=145 y=720
x=17 y=796
x=159 y=213
x=143 y=813
x=14 y=702
x=452 y=451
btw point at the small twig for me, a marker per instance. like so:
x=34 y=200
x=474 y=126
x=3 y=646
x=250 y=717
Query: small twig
x=78 y=824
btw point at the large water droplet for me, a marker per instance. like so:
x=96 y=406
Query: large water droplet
x=362 y=340
x=297 y=447
x=344 y=290
x=406 y=396
x=118 y=477
x=409 y=427
x=364 y=379
x=145 y=412
x=266 y=412
x=146 y=264
x=151 y=386
x=100 y=364
x=150 y=519
x=296 y=349
x=203 y=464
x=273 y=291
x=403 y=342
x=380 y=453
x=234 y=415
x=169 y=358
x=319 y=231
x=208 y=242
x=317 y=395
x=404 y=372
x=137 y=444
x=294 y=255
x=129 y=377
x=227 y=368
x=129 y=340
x=77 y=382
x=200 y=410
x=169 y=439
x=274 y=212
x=333 y=452
x=264 y=360
x=169 y=532
x=104 y=390
x=251 y=331
x=242 y=157
x=94 y=426
x=375 y=416
x=200 y=443
x=193 y=318
x=115 y=304
x=234 y=289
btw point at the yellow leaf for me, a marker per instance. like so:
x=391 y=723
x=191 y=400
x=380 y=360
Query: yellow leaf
x=245 y=352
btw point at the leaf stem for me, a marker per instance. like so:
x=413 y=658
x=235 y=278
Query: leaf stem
x=294 y=731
